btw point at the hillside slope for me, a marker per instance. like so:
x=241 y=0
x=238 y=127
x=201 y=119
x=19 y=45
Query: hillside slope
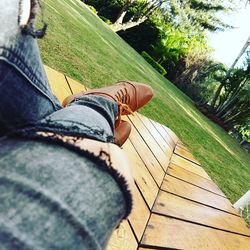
x=80 y=45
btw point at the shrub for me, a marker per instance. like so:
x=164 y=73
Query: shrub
x=92 y=8
x=106 y=20
x=153 y=63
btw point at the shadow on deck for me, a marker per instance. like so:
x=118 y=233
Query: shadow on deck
x=177 y=205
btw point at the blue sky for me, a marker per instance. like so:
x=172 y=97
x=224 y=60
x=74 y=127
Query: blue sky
x=228 y=44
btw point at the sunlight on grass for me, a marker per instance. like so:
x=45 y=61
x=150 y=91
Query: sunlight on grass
x=52 y=8
x=190 y=113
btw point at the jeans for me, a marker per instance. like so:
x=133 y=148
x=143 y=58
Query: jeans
x=52 y=196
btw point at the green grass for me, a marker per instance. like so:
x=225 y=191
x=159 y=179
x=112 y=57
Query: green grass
x=83 y=47
x=245 y=213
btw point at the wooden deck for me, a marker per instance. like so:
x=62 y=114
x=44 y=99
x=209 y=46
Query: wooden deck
x=177 y=205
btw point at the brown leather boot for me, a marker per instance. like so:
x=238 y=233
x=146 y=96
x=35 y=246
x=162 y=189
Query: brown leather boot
x=129 y=96
x=122 y=132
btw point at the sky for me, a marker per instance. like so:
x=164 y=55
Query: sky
x=228 y=44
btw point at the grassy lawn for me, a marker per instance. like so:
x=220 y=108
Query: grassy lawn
x=80 y=45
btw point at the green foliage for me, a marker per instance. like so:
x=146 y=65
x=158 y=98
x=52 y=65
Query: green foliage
x=199 y=14
x=234 y=100
x=244 y=131
x=200 y=76
x=92 y=8
x=153 y=63
x=174 y=47
x=245 y=213
x=106 y=20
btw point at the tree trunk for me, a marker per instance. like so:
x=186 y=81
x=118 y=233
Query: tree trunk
x=124 y=26
x=123 y=12
x=217 y=94
x=241 y=114
x=244 y=140
x=227 y=106
x=229 y=99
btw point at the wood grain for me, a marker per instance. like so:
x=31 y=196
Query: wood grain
x=142 y=176
x=167 y=232
x=164 y=133
x=194 y=179
x=194 y=168
x=171 y=205
x=189 y=191
x=122 y=238
x=162 y=158
x=146 y=155
x=167 y=149
x=185 y=154
x=181 y=145
x=140 y=215
x=171 y=133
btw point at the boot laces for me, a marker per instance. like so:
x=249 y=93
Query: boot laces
x=123 y=99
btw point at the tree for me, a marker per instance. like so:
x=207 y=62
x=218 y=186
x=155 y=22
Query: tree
x=143 y=9
x=199 y=77
x=233 y=105
x=223 y=82
x=185 y=13
x=201 y=14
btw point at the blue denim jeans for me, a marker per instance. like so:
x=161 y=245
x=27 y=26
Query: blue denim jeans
x=52 y=196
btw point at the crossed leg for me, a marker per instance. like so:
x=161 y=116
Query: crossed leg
x=64 y=184
x=54 y=194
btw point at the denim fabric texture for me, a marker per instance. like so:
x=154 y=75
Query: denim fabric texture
x=52 y=197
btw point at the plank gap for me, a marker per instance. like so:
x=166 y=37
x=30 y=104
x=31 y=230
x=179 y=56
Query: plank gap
x=68 y=85
x=179 y=178
x=148 y=145
x=187 y=159
x=186 y=198
x=200 y=224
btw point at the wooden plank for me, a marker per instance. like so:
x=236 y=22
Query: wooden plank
x=180 y=144
x=143 y=248
x=171 y=133
x=171 y=205
x=186 y=154
x=194 y=168
x=154 y=132
x=75 y=86
x=122 y=238
x=194 y=179
x=162 y=158
x=143 y=178
x=171 y=233
x=58 y=84
x=146 y=155
x=168 y=139
x=140 y=215
x=189 y=191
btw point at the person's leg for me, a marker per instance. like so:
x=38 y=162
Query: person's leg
x=28 y=167
x=24 y=90
x=56 y=198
